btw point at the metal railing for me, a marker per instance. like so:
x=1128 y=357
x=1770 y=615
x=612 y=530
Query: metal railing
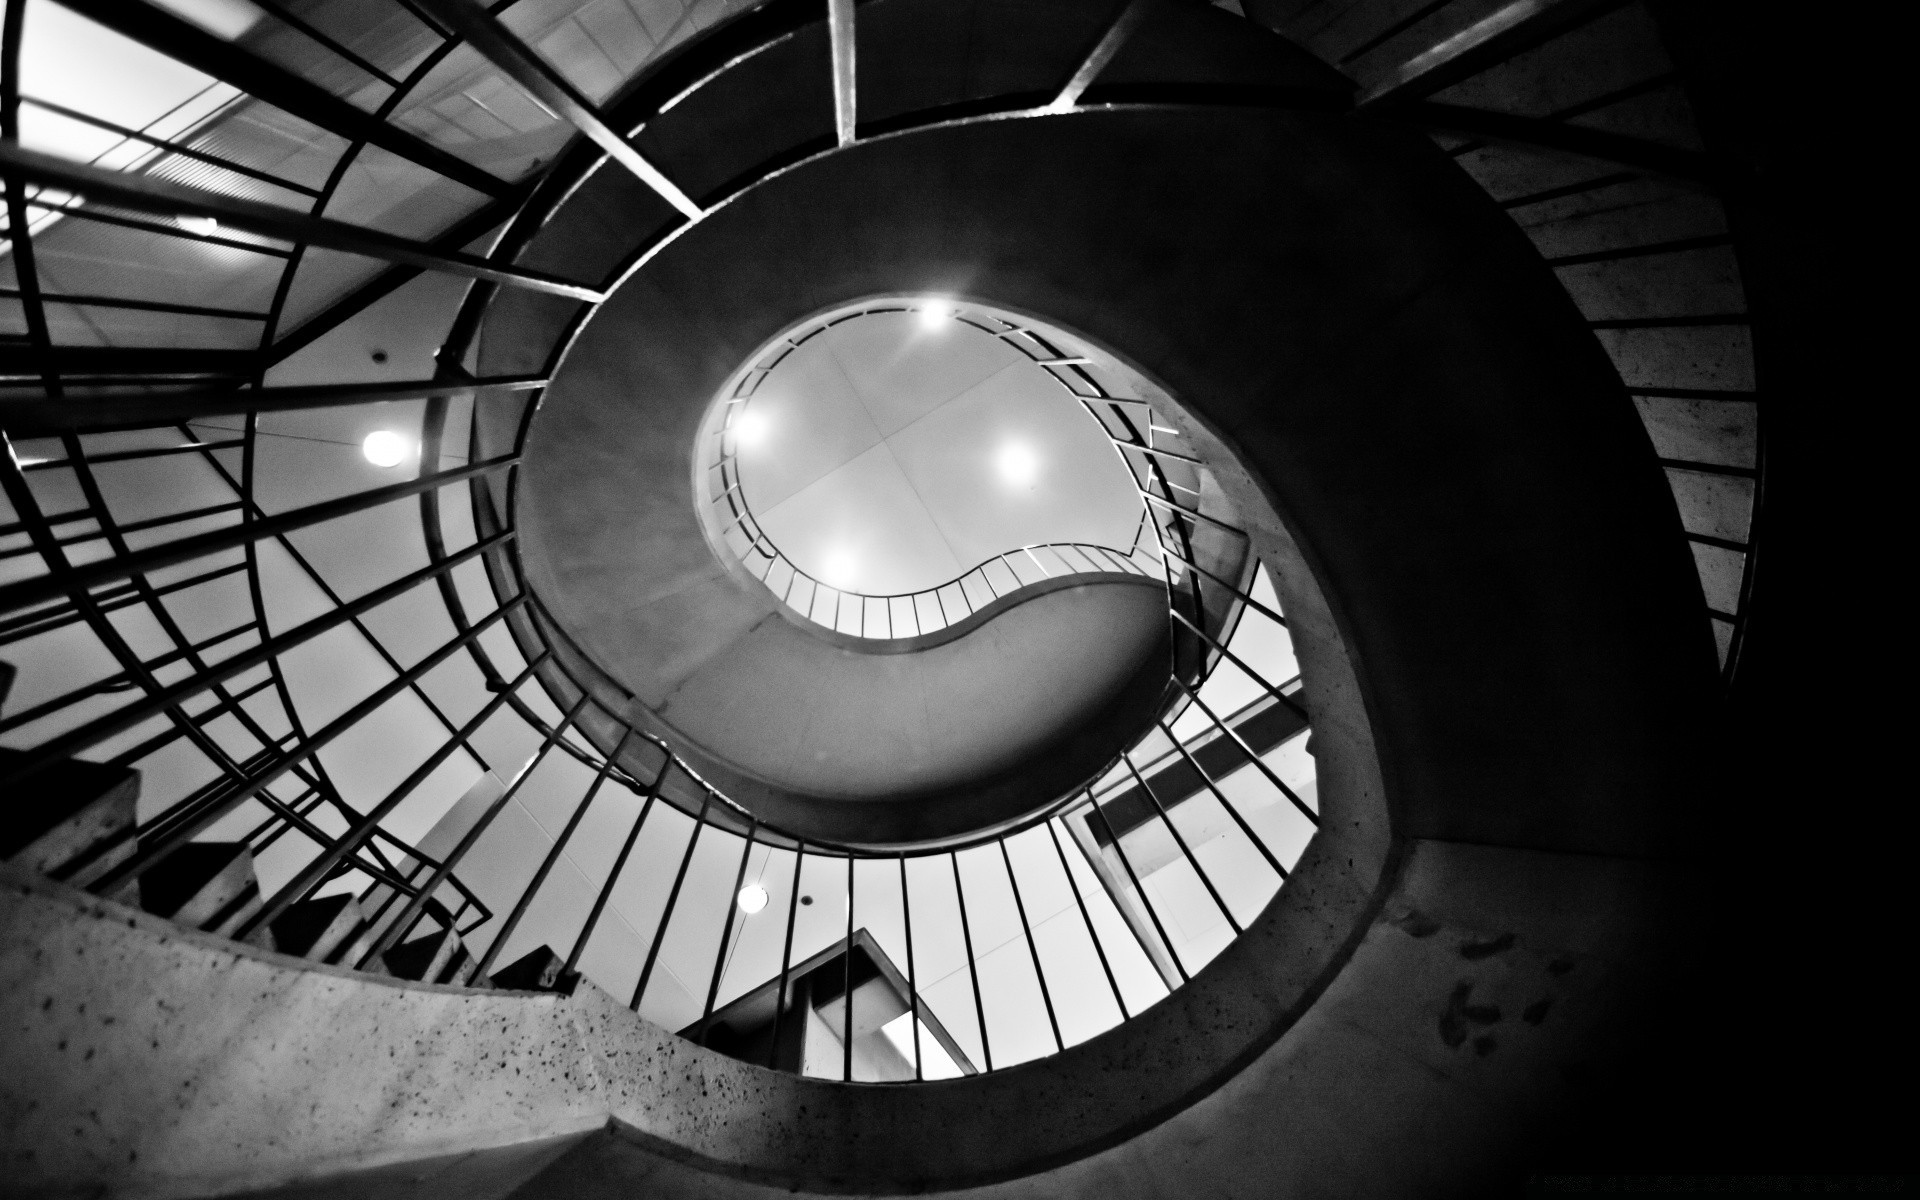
x=159 y=587
x=900 y=614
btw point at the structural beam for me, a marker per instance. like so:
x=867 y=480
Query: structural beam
x=146 y=193
x=493 y=215
x=40 y=588
x=186 y=42
x=1671 y=162
x=840 y=38
x=123 y=408
x=1118 y=31
x=18 y=362
x=1518 y=27
x=500 y=47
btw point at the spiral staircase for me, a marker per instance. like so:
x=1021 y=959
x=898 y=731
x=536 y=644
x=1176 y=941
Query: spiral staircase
x=390 y=837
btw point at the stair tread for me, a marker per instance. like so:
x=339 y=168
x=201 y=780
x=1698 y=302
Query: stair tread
x=63 y=816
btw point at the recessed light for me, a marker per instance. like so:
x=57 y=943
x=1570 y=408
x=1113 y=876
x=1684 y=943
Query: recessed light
x=202 y=226
x=934 y=314
x=752 y=898
x=385 y=448
x=1017 y=463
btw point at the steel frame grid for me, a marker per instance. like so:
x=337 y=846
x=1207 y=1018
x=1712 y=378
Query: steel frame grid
x=515 y=209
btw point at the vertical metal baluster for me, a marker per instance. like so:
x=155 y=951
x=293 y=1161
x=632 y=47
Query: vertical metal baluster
x=1139 y=891
x=619 y=864
x=726 y=930
x=913 y=981
x=1215 y=788
x=966 y=934
x=1181 y=842
x=786 y=957
x=846 y=985
x=1088 y=921
x=1020 y=906
x=546 y=864
x=673 y=898
x=409 y=918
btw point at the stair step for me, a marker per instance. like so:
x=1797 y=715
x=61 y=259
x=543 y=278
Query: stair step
x=459 y=972
x=67 y=817
x=204 y=885
x=423 y=958
x=317 y=928
x=538 y=971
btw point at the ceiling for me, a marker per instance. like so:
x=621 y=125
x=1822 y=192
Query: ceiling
x=890 y=454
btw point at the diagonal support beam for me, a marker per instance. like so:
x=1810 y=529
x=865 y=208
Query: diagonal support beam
x=493 y=215
x=147 y=193
x=104 y=409
x=40 y=588
x=188 y=43
x=500 y=47
x=1671 y=162
x=840 y=40
x=1124 y=23
x=1518 y=27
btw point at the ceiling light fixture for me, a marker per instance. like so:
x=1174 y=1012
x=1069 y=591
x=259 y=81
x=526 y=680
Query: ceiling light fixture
x=385 y=448
x=1019 y=465
x=750 y=428
x=752 y=899
x=934 y=314
x=202 y=226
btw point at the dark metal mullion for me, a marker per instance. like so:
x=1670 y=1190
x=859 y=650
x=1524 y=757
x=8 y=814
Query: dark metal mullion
x=1087 y=919
x=913 y=980
x=131 y=455
x=619 y=862
x=846 y=986
x=185 y=825
x=1181 y=841
x=1033 y=950
x=333 y=598
x=127 y=717
x=1113 y=839
x=1244 y=666
x=171 y=147
x=525 y=67
x=109 y=531
x=1243 y=597
x=60 y=572
x=409 y=916
x=149 y=408
x=150 y=194
x=316 y=871
x=32 y=591
x=162 y=615
x=673 y=898
x=115 y=682
x=187 y=43
x=786 y=958
x=173 y=231
x=1258 y=761
x=1112 y=38
x=187 y=310
x=973 y=970
x=726 y=933
x=281 y=14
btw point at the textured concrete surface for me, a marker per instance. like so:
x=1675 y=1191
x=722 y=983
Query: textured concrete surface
x=208 y=1067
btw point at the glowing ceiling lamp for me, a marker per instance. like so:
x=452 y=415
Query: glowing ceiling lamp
x=752 y=899
x=1017 y=463
x=199 y=226
x=385 y=448
x=750 y=429
x=935 y=313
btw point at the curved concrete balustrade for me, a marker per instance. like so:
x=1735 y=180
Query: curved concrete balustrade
x=825 y=738
x=1508 y=673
